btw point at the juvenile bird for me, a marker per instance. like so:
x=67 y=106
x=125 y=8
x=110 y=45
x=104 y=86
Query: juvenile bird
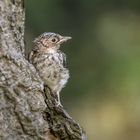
x=50 y=62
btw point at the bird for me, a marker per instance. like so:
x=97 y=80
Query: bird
x=50 y=61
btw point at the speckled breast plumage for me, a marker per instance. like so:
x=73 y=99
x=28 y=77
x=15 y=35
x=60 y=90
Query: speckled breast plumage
x=51 y=68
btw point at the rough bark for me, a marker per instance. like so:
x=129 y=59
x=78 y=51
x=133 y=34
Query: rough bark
x=27 y=111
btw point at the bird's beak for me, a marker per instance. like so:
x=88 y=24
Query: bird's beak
x=64 y=39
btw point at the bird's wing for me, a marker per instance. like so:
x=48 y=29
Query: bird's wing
x=64 y=59
x=32 y=53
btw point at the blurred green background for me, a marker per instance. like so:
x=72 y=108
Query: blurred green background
x=103 y=93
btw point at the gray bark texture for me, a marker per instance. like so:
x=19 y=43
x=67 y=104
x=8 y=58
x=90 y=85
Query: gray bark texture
x=28 y=111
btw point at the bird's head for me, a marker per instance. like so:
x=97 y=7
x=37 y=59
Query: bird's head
x=51 y=40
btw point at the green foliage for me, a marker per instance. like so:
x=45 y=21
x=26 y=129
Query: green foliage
x=103 y=58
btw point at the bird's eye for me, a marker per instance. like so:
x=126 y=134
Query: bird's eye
x=53 y=40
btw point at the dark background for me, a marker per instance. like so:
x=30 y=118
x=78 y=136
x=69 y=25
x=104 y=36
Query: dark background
x=103 y=93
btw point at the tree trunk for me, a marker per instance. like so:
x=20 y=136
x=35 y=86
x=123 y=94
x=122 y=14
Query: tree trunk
x=27 y=111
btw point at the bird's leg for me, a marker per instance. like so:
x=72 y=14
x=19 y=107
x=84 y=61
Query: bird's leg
x=58 y=99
